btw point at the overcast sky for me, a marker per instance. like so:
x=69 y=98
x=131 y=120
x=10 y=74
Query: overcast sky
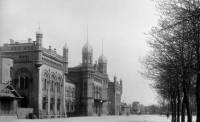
x=121 y=24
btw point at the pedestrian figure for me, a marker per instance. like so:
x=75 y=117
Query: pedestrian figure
x=167 y=114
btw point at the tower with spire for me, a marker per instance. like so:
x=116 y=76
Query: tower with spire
x=39 y=36
x=102 y=63
x=87 y=53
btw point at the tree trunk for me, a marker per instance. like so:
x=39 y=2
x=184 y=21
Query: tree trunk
x=187 y=105
x=172 y=111
x=175 y=110
x=198 y=97
x=178 y=106
x=198 y=71
x=183 y=111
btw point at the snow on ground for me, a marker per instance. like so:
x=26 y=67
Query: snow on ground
x=131 y=118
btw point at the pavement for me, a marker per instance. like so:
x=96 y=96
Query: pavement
x=130 y=118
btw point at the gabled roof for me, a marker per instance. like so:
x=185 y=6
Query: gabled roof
x=7 y=90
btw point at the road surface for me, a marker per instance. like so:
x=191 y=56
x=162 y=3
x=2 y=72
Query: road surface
x=131 y=118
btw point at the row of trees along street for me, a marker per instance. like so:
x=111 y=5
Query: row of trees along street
x=138 y=108
x=174 y=61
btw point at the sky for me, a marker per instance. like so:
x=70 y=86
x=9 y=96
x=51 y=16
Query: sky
x=120 y=24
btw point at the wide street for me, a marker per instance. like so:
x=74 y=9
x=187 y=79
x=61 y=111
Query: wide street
x=131 y=118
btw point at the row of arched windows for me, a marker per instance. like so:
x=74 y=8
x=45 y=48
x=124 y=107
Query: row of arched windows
x=70 y=106
x=23 y=82
x=52 y=84
x=53 y=81
x=22 y=78
x=45 y=103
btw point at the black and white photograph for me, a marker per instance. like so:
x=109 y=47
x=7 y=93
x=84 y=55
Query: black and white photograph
x=99 y=60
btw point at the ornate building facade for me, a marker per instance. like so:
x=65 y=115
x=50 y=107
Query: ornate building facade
x=41 y=78
x=92 y=84
x=39 y=75
x=114 y=96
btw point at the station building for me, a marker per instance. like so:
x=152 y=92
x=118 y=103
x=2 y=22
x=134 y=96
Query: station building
x=46 y=87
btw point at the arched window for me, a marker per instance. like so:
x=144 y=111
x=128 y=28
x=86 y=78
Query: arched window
x=22 y=78
x=58 y=87
x=53 y=81
x=44 y=103
x=21 y=82
x=59 y=79
x=68 y=106
x=52 y=88
x=58 y=104
x=45 y=84
x=45 y=79
x=52 y=104
x=26 y=82
x=70 y=92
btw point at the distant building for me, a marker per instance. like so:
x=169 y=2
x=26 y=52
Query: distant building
x=92 y=84
x=114 y=96
x=125 y=109
x=38 y=75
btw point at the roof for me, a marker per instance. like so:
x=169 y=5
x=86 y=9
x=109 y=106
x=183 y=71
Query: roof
x=7 y=90
x=87 y=48
x=102 y=59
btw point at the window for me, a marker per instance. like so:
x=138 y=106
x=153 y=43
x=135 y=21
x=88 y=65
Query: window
x=44 y=103
x=52 y=85
x=45 y=84
x=58 y=88
x=70 y=92
x=26 y=82
x=68 y=107
x=73 y=107
x=21 y=84
x=73 y=93
x=58 y=104
x=52 y=104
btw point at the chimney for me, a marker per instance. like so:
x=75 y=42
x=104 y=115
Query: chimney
x=12 y=41
x=49 y=47
x=29 y=40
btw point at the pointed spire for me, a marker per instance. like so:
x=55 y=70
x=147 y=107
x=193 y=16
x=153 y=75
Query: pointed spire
x=87 y=32
x=39 y=30
x=102 y=58
x=102 y=47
